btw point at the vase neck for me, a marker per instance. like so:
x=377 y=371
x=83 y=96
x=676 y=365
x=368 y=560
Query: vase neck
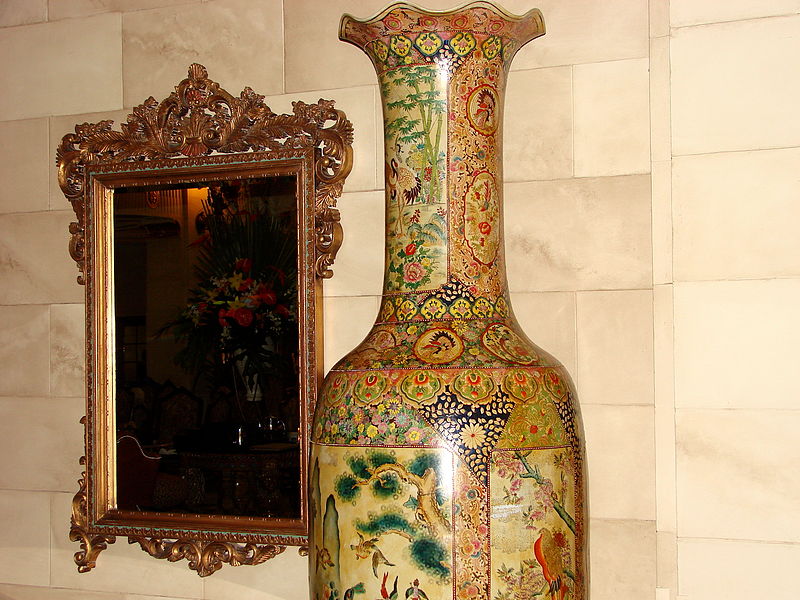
x=442 y=81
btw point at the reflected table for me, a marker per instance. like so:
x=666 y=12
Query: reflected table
x=261 y=481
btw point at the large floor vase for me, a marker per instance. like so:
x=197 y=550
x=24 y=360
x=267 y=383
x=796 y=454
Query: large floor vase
x=447 y=457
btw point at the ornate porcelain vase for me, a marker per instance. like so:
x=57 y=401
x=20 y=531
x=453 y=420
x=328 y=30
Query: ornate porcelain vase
x=447 y=453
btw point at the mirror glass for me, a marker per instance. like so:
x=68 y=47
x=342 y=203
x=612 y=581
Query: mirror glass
x=206 y=347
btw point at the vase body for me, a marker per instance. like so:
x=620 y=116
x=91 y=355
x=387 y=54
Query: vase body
x=447 y=454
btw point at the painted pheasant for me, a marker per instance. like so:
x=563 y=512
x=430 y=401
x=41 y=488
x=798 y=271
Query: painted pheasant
x=404 y=187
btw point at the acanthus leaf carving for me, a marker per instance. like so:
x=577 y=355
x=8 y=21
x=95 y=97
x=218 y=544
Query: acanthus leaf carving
x=199 y=119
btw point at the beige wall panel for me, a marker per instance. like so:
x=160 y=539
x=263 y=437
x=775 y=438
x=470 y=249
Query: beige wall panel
x=623 y=559
x=615 y=347
x=67 y=350
x=548 y=319
x=621 y=461
x=736 y=344
x=735 y=86
x=25 y=165
x=584 y=31
x=537 y=136
x=664 y=395
x=659 y=77
x=714 y=569
x=612 y=118
x=70 y=9
x=282 y=578
x=661 y=185
x=18 y=592
x=35 y=265
x=692 y=12
x=22 y=12
x=240 y=42
x=347 y=322
x=44 y=438
x=359 y=266
x=61 y=68
x=24 y=544
x=574 y=234
x=121 y=568
x=25 y=351
x=737 y=473
x=736 y=215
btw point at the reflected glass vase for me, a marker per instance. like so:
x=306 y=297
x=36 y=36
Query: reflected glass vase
x=447 y=455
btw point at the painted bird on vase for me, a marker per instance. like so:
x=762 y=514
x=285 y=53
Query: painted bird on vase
x=549 y=557
x=404 y=187
x=365 y=547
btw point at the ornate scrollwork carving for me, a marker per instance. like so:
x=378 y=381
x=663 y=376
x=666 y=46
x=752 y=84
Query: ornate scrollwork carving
x=207 y=556
x=91 y=545
x=199 y=119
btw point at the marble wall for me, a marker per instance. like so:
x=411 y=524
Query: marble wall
x=652 y=151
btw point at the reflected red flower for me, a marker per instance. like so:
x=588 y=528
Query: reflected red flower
x=243 y=316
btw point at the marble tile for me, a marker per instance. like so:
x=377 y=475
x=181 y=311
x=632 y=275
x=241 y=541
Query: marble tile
x=24 y=537
x=64 y=67
x=737 y=474
x=572 y=234
x=548 y=318
x=584 y=31
x=67 y=349
x=735 y=86
x=24 y=166
x=623 y=559
x=537 y=136
x=34 y=259
x=122 y=567
x=612 y=118
x=64 y=125
x=284 y=577
x=659 y=18
x=315 y=57
x=348 y=320
x=691 y=12
x=140 y=597
x=726 y=330
x=46 y=440
x=667 y=556
x=242 y=45
x=24 y=351
x=621 y=461
x=713 y=569
x=359 y=106
x=615 y=347
x=359 y=266
x=664 y=395
x=660 y=127
x=22 y=12
x=70 y=9
x=663 y=233
x=722 y=199
x=19 y=592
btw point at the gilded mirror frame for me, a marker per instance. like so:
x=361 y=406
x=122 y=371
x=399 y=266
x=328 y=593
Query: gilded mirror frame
x=198 y=133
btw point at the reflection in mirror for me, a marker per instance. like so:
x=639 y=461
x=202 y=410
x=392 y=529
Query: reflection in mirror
x=205 y=280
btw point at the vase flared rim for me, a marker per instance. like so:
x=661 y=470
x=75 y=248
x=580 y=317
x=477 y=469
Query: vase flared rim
x=501 y=12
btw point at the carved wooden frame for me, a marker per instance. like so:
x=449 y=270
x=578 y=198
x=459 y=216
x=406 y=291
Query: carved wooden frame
x=200 y=131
